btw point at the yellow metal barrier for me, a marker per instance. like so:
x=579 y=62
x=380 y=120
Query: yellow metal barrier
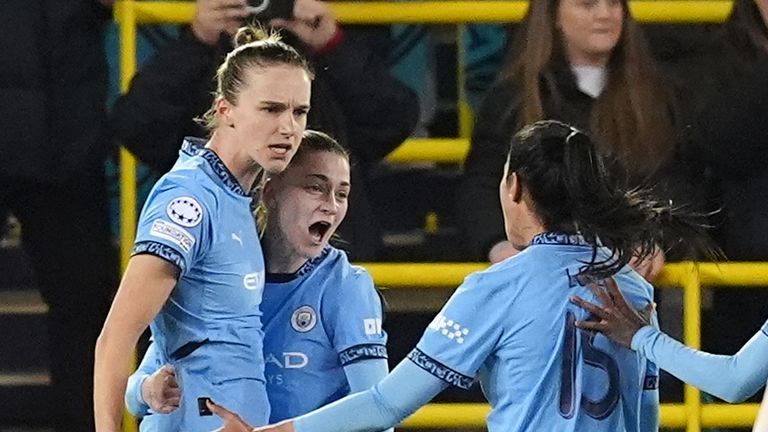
x=450 y=12
x=130 y=13
x=692 y=415
x=690 y=277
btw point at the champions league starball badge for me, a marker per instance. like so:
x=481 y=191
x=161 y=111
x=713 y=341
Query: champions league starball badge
x=304 y=319
x=185 y=211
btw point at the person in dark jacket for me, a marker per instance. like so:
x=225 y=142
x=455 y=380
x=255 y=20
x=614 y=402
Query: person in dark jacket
x=583 y=63
x=354 y=98
x=730 y=93
x=53 y=83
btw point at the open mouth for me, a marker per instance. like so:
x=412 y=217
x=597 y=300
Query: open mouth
x=318 y=230
x=280 y=149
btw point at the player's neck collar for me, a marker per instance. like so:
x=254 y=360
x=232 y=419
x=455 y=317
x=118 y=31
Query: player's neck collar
x=559 y=238
x=303 y=270
x=196 y=147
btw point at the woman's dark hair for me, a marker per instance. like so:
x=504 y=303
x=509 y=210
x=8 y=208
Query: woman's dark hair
x=573 y=191
x=254 y=46
x=631 y=118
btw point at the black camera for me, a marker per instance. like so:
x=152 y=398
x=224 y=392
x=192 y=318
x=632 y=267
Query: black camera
x=265 y=10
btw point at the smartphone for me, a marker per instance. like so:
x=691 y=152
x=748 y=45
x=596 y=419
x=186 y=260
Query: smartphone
x=202 y=408
x=265 y=10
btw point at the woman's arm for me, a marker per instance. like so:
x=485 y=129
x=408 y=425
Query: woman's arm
x=364 y=374
x=152 y=386
x=146 y=285
x=731 y=378
x=397 y=396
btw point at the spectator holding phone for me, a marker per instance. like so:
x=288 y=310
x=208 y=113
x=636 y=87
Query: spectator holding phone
x=352 y=93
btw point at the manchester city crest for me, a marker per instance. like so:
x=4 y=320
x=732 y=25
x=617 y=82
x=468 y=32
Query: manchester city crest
x=304 y=319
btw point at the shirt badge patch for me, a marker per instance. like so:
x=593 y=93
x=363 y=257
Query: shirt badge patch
x=304 y=319
x=185 y=211
x=173 y=233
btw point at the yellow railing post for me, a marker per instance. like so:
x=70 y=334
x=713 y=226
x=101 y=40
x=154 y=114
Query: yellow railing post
x=125 y=15
x=692 y=336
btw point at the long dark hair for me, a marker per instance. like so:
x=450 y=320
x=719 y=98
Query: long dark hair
x=574 y=192
x=631 y=118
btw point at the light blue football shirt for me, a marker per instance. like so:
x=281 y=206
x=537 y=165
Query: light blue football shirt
x=512 y=327
x=198 y=217
x=318 y=320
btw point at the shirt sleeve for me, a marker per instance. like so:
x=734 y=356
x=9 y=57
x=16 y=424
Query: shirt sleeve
x=133 y=398
x=731 y=378
x=175 y=225
x=396 y=397
x=651 y=381
x=352 y=316
x=364 y=374
x=463 y=334
x=649 y=399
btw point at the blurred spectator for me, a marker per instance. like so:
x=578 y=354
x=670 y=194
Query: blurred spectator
x=414 y=59
x=484 y=48
x=354 y=98
x=587 y=64
x=53 y=81
x=729 y=97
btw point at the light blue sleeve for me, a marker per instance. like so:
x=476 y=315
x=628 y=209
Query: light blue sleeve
x=352 y=317
x=464 y=333
x=649 y=399
x=133 y=398
x=364 y=374
x=175 y=224
x=731 y=378
x=396 y=397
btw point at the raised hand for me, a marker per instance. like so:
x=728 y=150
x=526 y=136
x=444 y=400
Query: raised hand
x=618 y=320
x=161 y=391
x=313 y=23
x=214 y=17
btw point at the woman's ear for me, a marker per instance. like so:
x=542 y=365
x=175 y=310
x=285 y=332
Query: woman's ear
x=515 y=187
x=224 y=110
